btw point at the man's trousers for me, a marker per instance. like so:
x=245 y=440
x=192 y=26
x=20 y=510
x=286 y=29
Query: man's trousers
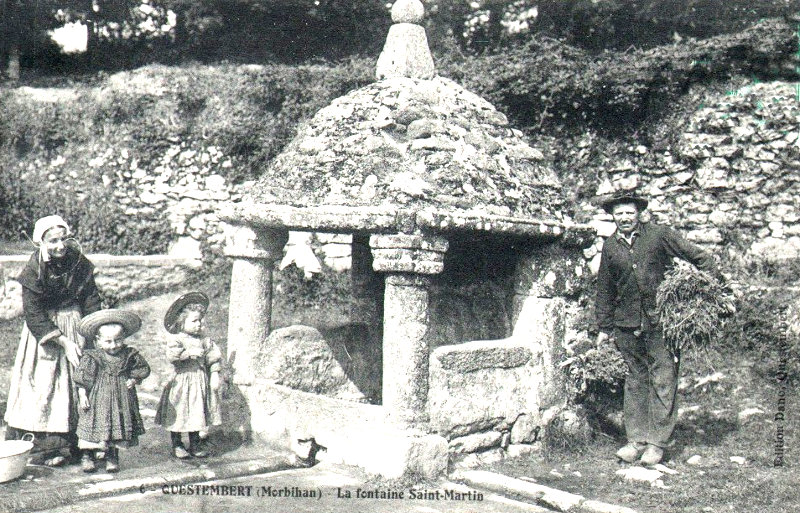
x=651 y=386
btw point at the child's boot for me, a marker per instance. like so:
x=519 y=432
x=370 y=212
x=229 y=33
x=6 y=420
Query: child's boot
x=178 y=449
x=196 y=446
x=87 y=462
x=112 y=460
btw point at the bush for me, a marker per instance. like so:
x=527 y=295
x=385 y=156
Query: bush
x=547 y=85
x=94 y=214
x=595 y=375
x=767 y=322
x=75 y=155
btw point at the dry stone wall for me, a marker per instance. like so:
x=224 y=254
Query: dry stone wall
x=731 y=181
x=117 y=277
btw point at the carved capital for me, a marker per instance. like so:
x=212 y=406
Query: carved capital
x=402 y=253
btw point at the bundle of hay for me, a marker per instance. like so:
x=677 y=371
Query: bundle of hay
x=693 y=306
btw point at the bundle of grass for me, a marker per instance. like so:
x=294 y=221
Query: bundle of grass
x=693 y=306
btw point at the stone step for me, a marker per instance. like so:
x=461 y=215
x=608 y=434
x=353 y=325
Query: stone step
x=551 y=498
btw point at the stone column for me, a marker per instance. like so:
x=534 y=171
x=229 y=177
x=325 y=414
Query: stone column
x=254 y=252
x=409 y=261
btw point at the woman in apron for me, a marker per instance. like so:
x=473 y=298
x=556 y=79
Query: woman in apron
x=58 y=289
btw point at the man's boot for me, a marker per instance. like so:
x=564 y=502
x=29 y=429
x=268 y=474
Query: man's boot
x=631 y=452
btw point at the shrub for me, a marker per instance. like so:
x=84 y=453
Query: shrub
x=96 y=216
x=767 y=321
x=595 y=375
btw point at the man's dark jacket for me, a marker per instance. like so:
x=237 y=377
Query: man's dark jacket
x=630 y=275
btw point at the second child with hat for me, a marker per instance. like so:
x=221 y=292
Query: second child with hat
x=190 y=402
x=106 y=378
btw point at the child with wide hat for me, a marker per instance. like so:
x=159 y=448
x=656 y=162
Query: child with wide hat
x=106 y=378
x=190 y=402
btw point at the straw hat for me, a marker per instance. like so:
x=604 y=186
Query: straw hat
x=175 y=308
x=129 y=321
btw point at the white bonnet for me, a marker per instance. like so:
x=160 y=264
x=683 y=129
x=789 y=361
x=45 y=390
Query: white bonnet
x=44 y=224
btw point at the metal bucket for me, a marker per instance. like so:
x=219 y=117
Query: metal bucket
x=14 y=456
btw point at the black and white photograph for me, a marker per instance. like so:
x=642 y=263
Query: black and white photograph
x=399 y=256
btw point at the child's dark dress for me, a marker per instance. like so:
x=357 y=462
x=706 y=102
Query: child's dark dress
x=113 y=414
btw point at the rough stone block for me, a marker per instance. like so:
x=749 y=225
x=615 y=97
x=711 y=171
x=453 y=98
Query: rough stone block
x=526 y=428
x=479 y=459
x=775 y=249
x=560 y=500
x=300 y=358
x=475 y=443
x=354 y=433
x=592 y=506
x=461 y=403
x=709 y=236
x=551 y=497
x=425 y=127
x=520 y=450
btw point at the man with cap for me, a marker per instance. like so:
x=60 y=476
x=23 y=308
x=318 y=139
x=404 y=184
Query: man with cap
x=632 y=266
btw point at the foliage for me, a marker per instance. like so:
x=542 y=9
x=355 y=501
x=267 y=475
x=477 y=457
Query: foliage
x=83 y=148
x=277 y=30
x=100 y=223
x=546 y=85
x=299 y=293
x=595 y=374
x=692 y=306
x=767 y=323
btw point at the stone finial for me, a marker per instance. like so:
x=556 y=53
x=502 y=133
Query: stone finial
x=408 y=11
x=406 y=52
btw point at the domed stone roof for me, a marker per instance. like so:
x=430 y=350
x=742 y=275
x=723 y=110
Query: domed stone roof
x=412 y=144
x=408 y=152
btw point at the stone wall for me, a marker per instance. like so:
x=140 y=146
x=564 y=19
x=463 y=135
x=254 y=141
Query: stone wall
x=186 y=185
x=730 y=181
x=117 y=277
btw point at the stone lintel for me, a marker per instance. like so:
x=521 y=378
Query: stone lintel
x=376 y=220
x=401 y=253
x=255 y=242
x=325 y=218
x=441 y=221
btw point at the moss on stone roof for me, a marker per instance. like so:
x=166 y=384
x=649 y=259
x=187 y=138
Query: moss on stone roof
x=412 y=144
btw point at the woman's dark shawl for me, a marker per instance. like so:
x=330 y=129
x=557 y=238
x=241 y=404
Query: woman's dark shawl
x=56 y=284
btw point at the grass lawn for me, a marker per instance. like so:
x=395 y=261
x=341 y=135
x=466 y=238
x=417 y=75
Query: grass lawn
x=709 y=426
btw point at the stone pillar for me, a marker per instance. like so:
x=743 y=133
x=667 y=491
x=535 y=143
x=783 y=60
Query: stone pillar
x=409 y=261
x=254 y=252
